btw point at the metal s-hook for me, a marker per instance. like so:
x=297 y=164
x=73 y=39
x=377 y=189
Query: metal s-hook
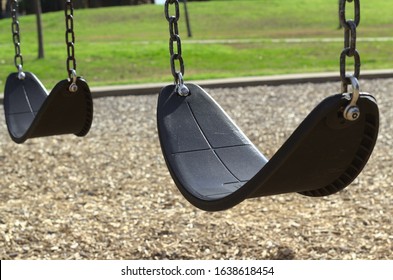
x=352 y=112
x=21 y=74
x=181 y=88
x=73 y=87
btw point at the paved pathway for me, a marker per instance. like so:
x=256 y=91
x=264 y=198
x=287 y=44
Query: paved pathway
x=267 y=40
x=286 y=40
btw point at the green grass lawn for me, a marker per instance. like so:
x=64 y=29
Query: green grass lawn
x=123 y=45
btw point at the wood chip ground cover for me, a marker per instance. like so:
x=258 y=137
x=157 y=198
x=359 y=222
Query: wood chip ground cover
x=110 y=196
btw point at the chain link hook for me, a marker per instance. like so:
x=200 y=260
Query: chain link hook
x=352 y=111
x=181 y=88
x=21 y=74
x=73 y=87
x=175 y=47
x=18 y=58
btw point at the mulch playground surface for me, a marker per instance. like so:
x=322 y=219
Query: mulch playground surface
x=110 y=196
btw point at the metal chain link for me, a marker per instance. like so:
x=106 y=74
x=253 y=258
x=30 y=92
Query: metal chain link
x=349 y=42
x=70 y=41
x=18 y=58
x=351 y=112
x=175 y=48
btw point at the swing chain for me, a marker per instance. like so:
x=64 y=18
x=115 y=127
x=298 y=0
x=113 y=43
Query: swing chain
x=349 y=42
x=18 y=59
x=351 y=112
x=175 y=48
x=70 y=41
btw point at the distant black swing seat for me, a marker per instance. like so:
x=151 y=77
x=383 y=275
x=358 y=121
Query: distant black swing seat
x=215 y=166
x=30 y=112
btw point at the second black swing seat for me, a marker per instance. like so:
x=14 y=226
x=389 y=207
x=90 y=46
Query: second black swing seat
x=30 y=112
x=215 y=166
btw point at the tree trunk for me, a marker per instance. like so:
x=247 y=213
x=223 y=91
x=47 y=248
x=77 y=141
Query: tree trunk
x=7 y=8
x=187 y=19
x=38 y=12
x=1 y=9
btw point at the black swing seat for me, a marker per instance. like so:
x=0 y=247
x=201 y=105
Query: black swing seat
x=215 y=166
x=30 y=112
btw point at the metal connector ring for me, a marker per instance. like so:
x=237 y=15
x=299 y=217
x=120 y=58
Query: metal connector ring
x=352 y=111
x=73 y=87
